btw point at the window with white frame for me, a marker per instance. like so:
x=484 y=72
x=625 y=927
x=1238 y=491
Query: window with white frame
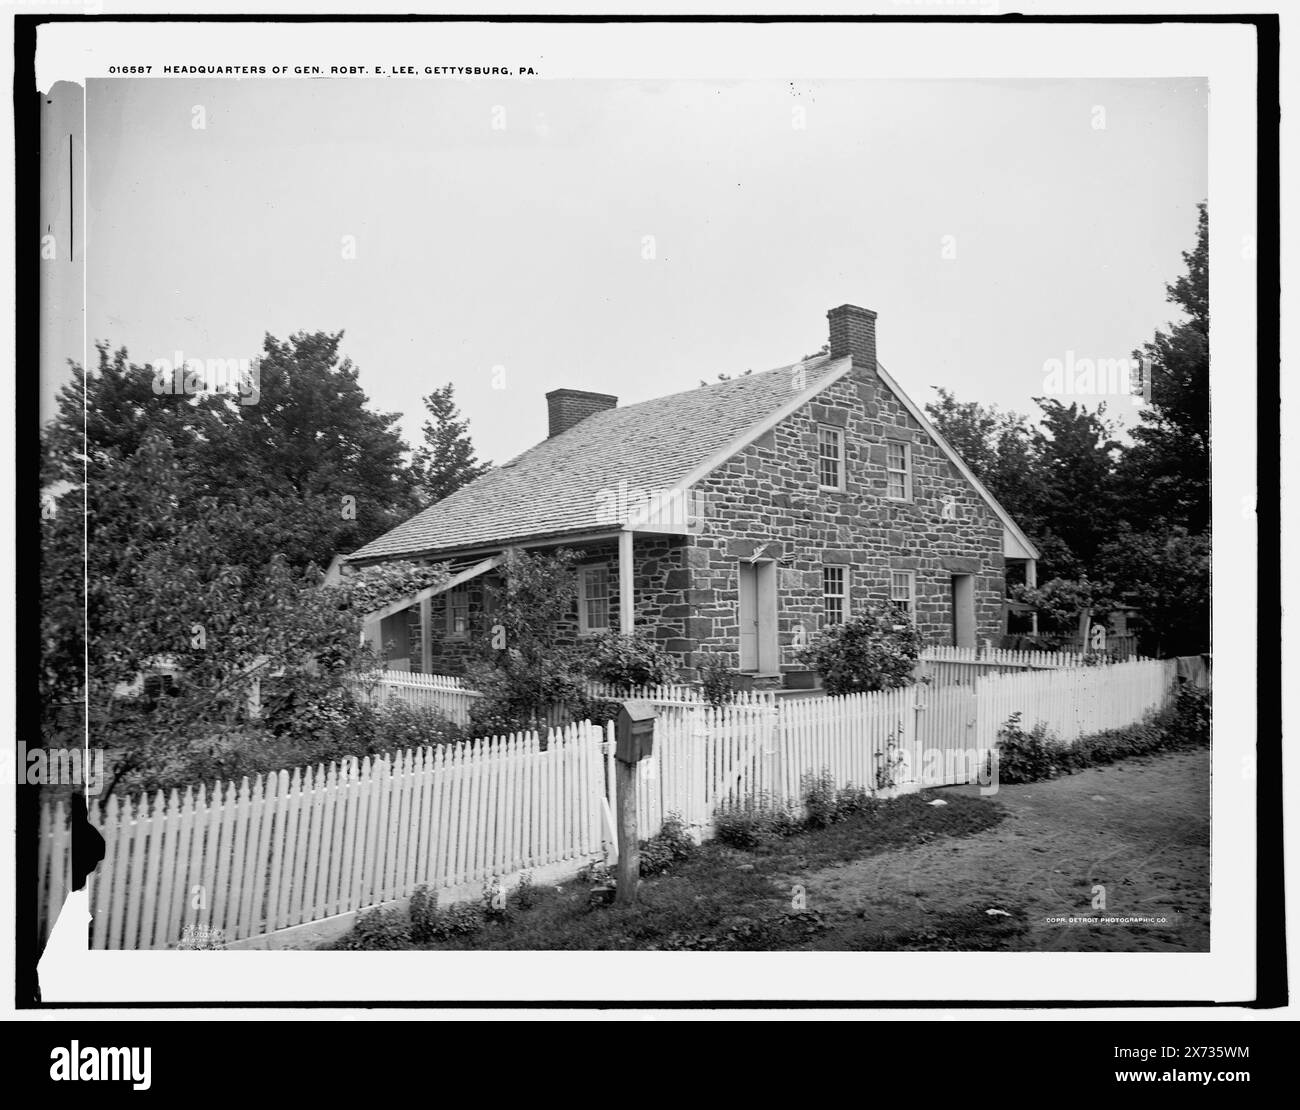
x=835 y=599
x=593 y=598
x=830 y=457
x=898 y=471
x=902 y=590
x=458 y=613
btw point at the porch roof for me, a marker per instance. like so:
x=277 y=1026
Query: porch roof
x=394 y=607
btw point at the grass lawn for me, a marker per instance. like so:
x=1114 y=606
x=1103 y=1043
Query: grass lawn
x=723 y=899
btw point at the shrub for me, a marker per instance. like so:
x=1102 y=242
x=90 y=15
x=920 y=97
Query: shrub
x=491 y=715
x=527 y=895
x=598 y=874
x=671 y=844
x=877 y=650
x=825 y=804
x=1191 y=715
x=1143 y=738
x=1028 y=756
x=424 y=914
x=461 y=920
x=851 y=800
x=754 y=823
x=599 y=711
x=624 y=661
x=378 y=929
x=1036 y=755
x=888 y=765
x=315 y=709
x=201 y=938
x=398 y=724
x=819 y=800
x=717 y=680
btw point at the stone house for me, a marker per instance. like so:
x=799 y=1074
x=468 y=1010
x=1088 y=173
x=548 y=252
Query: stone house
x=738 y=518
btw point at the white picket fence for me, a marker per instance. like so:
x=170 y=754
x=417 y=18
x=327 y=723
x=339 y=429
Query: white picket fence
x=707 y=758
x=1002 y=656
x=53 y=865
x=678 y=694
x=444 y=694
x=947 y=666
x=298 y=847
x=1073 y=703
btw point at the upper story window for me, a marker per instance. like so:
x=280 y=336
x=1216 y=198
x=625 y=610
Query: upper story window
x=593 y=598
x=898 y=471
x=835 y=601
x=458 y=613
x=902 y=590
x=830 y=457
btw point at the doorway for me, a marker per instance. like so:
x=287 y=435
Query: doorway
x=759 y=648
x=963 y=610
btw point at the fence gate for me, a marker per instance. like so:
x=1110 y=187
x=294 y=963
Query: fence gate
x=705 y=758
x=946 y=744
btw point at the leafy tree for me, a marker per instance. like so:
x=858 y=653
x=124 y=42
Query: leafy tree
x=1166 y=473
x=1056 y=478
x=876 y=650
x=314 y=468
x=113 y=408
x=447 y=460
x=1074 y=458
x=159 y=585
x=334 y=469
x=1068 y=606
x=188 y=530
x=996 y=445
x=1166 y=573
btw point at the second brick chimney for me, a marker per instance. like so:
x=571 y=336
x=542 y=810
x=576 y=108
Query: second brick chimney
x=567 y=407
x=853 y=332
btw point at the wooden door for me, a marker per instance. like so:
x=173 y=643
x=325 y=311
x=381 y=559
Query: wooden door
x=963 y=610
x=748 y=617
x=759 y=648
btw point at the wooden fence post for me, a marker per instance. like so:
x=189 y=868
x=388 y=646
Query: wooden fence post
x=629 y=849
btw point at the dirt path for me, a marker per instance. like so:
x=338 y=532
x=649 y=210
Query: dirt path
x=1140 y=829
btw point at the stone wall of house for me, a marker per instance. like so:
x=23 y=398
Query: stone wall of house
x=768 y=494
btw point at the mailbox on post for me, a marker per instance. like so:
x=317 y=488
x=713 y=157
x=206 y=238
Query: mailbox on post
x=634 y=731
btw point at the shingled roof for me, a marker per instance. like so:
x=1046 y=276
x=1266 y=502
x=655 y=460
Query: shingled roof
x=555 y=488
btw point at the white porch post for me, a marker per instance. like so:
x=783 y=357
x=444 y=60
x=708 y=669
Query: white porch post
x=426 y=635
x=626 y=605
x=1031 y=580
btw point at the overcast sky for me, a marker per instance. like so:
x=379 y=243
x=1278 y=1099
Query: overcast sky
x=523 y=247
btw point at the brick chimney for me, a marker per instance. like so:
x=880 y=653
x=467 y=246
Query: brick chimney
x=567 y=407
x=853 y=332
